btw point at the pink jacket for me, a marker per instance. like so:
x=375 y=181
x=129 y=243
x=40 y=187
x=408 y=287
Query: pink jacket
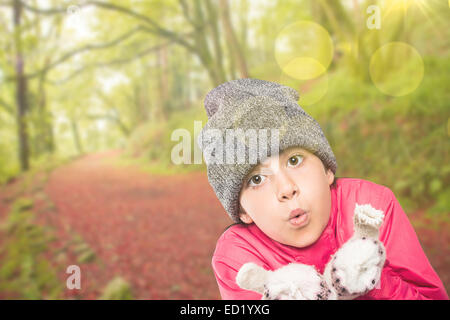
x=407 y=273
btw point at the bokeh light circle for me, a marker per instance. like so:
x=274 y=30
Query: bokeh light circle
x=303 y=50
x=396 y=69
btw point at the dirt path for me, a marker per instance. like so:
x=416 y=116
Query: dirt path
x=157 y=233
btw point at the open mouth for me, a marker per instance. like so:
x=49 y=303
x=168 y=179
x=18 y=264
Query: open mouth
x=298 y=218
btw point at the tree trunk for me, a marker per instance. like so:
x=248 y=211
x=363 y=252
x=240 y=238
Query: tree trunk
x=21 y=90
x=158 y=112
x=216 y=75
x=187 y=84
x=76 y=136
x=213 y=23
x=232 y=41
x=45 y=119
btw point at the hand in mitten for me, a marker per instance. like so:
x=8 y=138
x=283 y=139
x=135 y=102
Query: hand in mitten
x=356 y=267
x=291 y=282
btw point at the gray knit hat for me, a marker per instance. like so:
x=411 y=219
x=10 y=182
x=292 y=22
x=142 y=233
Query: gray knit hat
x=263 y=106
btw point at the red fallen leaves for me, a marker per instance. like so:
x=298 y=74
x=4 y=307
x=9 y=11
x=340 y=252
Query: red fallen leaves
x=434 y=236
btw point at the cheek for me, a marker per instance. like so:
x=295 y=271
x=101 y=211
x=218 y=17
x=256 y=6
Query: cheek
x=315 y=176
x=309 y=183
x=256 y=200
x=314 y=188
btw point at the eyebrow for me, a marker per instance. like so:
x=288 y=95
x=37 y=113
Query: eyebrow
x=260 y=165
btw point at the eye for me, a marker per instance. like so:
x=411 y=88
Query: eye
x=256 y=180
x=295 y=160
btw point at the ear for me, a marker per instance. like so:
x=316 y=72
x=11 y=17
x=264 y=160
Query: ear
x=245 y=218
x=330 y=176
x=252 y=277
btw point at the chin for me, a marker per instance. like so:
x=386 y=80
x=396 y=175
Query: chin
x=306 y=239
x=304 y=243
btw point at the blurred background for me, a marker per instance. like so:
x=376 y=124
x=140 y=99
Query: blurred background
x=91 y=93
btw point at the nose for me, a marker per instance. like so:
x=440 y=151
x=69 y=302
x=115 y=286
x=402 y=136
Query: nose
x=286 y=187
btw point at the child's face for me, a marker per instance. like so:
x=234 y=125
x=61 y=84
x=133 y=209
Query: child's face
x=293 y=179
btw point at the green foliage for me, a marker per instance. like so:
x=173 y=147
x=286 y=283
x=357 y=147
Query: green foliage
x=442 y=204
x=399 y=142
x=24 y=271
x=9 y=165
x=117 y=289
x=84 y=252
x=150 y=145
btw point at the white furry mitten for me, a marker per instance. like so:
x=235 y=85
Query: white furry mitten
x=355 y=268
x=294 y=281
x=352 y=271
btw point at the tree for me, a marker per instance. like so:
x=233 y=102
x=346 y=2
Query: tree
x=21 y=88
x=201 y=16
x=236 y=53
x=210 y=31
x=21 y=78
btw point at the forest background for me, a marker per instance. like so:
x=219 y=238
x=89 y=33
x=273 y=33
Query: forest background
x=91 y=93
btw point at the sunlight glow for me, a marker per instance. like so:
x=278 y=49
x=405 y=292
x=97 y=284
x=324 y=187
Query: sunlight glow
x=304 y=50
x=404 y=5
x=396 y=69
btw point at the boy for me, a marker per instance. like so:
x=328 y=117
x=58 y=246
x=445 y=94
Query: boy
x=289 y=207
